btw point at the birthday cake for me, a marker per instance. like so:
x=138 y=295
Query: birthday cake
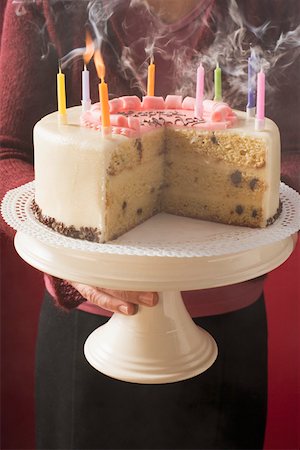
x=156 y=157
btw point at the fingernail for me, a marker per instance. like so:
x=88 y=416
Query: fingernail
x=123 y=309
x=146 y=298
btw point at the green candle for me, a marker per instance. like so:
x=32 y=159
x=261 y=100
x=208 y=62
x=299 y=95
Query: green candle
x=218 y=83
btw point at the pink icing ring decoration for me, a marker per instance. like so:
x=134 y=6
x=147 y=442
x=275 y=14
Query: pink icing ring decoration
x=115 y=105
x=118 y=120
x=134 y=123
x=173 y=102
x=188 y=103
x=152 y=102
x=130 y=103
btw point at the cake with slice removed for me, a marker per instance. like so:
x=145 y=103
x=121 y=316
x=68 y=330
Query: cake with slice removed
x=158 y=157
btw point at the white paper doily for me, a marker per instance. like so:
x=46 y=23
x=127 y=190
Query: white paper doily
x=163 y=234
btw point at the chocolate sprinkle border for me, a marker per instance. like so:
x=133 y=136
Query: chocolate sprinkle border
x=271 y=220
x=84 y=233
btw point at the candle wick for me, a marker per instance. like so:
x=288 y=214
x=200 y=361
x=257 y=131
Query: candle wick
x=59 y=66
x=85 y=66
x=152 y=59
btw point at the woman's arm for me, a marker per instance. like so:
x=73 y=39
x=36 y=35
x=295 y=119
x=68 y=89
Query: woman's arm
x=27 y=93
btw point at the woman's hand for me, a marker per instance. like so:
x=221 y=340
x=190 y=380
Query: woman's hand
x=125 y=302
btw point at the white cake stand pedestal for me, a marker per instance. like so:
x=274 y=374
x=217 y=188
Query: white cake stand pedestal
x=167 y=254
x=160 y=344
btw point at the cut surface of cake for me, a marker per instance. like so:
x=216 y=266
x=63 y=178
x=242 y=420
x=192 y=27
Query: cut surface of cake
x=158 y=157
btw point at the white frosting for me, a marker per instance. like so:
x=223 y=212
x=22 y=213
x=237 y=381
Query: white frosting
x=70 y=165
x=71 y=162
x=271 y=170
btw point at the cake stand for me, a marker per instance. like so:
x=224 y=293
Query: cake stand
x=166 y=254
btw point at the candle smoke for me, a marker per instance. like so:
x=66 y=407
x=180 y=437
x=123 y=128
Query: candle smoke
x=234 y=40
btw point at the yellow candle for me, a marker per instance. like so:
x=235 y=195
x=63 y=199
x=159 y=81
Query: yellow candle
x=151 y=78
x=103 y=94
x=61 y=93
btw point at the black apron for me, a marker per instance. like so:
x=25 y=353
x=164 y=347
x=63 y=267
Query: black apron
x=80 y=408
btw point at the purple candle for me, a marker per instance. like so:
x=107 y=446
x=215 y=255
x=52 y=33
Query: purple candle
x=86 y=100
x=87 y=56
x=251 y=83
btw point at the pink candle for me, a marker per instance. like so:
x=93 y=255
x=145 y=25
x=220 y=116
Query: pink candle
x=199 y=92
x=260 y=100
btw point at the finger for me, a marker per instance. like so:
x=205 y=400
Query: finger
x=104 y=299
x=139 y=298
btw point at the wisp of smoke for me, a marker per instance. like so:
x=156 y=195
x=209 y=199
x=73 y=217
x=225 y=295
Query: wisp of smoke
x=234 y=41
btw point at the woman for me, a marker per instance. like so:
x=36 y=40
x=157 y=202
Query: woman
x=78 y=407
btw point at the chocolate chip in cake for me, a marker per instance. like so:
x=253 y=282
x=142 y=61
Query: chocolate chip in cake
x=152 y=190
x=163 y=185
x=124 y=205
x=139 y=211
x=254 y=213
x=214 y=140
x=239 y=209
x=139 y=147
x=236 y=177
x=253 y=183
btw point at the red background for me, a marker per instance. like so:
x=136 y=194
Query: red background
x=22 y=290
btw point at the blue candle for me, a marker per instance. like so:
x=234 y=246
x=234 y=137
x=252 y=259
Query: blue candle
x=251 y=85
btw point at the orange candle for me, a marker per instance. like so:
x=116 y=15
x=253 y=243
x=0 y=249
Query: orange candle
x=151 y=78
x=103 y=94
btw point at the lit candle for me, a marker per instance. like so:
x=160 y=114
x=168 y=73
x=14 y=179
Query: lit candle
x=251 y=86
x=89 y=51
x=61 y=96
x=151 y=78
x=199 y=92
x=103 y=95
x=218 y=83
x=260 y=102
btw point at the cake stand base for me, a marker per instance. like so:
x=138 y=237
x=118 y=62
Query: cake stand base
x=158 y=345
